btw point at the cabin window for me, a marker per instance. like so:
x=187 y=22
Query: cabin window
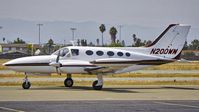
x=75 y=52
x=128 y=54
x=89 y=52
x=110 y=53
x=120 y=54
x=99 y=53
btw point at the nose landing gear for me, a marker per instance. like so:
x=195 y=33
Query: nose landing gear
x=26 y=84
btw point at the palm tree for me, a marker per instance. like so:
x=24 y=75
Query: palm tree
x=102 y=28
x=113 y=32
x=50 y=44
x=4 y=39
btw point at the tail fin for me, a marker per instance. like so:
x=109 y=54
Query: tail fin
x=171 y=42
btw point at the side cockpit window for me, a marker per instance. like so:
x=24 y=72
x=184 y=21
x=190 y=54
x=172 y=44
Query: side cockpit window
x=63 y=52
x=75 y=52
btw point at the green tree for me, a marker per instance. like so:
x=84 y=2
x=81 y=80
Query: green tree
x=50 y=42
x=4 y=39
x=83 y=42
x=113 y=32
x=115 y=45
x=137 y=42
x=19 y=41
x=194 y=45
x=50 y=45
x=123 y=43
x=148 y=43
x=102 y=28
x=134 y=40
x=134 y=37
x=30 y=49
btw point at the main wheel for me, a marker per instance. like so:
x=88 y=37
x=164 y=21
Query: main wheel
x=96 y=87
x=68 y=82
x=26 y=85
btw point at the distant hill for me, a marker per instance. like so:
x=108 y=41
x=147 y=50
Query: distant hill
x=60 y=31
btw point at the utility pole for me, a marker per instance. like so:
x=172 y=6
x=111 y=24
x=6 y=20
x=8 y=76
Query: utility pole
x=73 y=33
x=120 y=28
x=39 y=25
x=3 y=37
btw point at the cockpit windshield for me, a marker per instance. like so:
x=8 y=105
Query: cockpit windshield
x=63 y=52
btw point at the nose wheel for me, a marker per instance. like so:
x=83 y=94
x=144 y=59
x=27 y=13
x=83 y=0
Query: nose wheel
x=26 y=84
x=68 y=82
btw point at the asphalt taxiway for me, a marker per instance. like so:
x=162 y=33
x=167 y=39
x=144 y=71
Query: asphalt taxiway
x=100 y=106
x=110 y=99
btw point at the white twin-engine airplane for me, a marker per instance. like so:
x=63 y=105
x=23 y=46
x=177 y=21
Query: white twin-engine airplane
x=104 y=60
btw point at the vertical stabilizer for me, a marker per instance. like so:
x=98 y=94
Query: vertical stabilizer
x=171 y=42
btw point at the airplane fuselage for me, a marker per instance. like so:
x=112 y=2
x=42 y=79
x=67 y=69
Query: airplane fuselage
x=76 y=59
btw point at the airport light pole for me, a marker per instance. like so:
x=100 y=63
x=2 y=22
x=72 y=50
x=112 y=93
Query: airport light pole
x=1 y=28
x=120 y=34
x=73 y=33
x=39 y=25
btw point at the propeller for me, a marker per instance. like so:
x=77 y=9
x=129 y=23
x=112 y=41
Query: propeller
x=57 y=61
x=57 y=64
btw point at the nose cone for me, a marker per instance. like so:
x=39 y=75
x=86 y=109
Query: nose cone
x=4 y=64
x=28 y=60
x=30 y=64
x=9 y=63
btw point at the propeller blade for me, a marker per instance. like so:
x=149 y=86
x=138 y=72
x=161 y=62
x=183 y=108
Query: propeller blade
x=57 y=60
x=58 y=71
x=57 y=64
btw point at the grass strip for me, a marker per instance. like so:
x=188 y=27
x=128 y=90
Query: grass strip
x=126 y=75
x=89 y=83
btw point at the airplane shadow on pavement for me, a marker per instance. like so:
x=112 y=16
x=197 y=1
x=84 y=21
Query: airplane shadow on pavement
x=112 y=89
x=80 y=88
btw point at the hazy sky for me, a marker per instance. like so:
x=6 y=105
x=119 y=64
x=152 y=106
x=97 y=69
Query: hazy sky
x=139 y=12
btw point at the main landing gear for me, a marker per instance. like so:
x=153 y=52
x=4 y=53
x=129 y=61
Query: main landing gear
x=26 y=84
x=68 y=82
x=98 y=84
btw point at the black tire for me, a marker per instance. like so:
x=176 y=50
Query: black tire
x=26 y=85
x=96 y=87
x=68 y=82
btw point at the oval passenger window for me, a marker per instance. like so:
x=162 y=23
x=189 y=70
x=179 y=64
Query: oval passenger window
x=99 y=53
x=89 y=52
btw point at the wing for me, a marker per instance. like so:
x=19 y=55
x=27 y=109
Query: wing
x=80 y=66
x=122 y=65
x=108 y=65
